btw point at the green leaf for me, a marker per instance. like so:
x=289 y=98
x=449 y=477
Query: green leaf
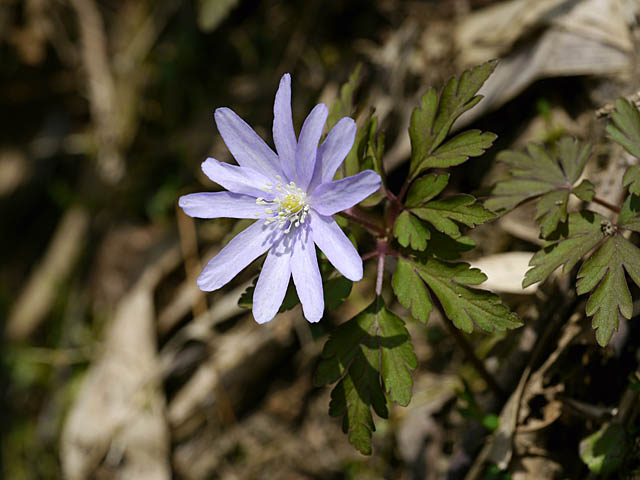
x=343 y=105
x=446 y=248
x=371 y=355
x=604 y=271
x=603 y=452
x=433 y=119
x=336 y=290
x=411 y=231
x=544 y=174
x=459 y=149
x=631 y=179
x=462 y=304
x=426 y=188
x=626 y=126
x=629 y=217
x=411 y=291
x=585 y=191
x=582 y=232
x=461 y=208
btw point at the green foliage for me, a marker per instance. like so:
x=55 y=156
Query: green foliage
x=461 y=208
x=411 y=231
x=449 y=282
x=604 y=451
x=626 y=126
x=426 y=188
x=431 y=123
x=462 y=304
x=547 y=175
x=411 y=291
x=570 y=243
x=603 y=275
x=370 y=357
x=631 y=179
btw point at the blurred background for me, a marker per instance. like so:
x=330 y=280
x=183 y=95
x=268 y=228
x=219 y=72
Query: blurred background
x=114 y=364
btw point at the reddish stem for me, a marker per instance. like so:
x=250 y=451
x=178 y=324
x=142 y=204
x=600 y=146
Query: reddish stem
x=359 y=216
x=606 y=204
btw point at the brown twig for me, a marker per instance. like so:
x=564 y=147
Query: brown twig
x=606 y=204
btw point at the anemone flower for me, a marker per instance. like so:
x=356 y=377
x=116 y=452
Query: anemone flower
x=292 y=195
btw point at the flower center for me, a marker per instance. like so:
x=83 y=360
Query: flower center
x=288 y=207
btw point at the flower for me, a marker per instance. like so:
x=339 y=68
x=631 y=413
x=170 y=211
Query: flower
x=293 y=195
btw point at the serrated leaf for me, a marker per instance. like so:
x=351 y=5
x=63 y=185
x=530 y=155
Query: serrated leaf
x=603 y=452
x=411 y=291
x=462 y=304
x=426 y=188
x=411 y=231
x=446 y=248
x=585 y=191
x=604 y=271
x=459 y=149
x=461 y=208
x=569 y=243
x=371 y=355
x=626 y=126
x=629 y=217
x=541 y=173
x=631 y=179
x=433 y=119
x=550 y=210
x=343 y=105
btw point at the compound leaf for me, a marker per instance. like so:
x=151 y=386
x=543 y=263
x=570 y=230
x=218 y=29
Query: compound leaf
x=426 y=188
x=631 y=179
x=411 y=231
x=629 y=217
x=411 y=291
x=604 y=271
x=433 y=119
x=371 y=357
x=626 y=126
x=462 y=304
x=548 y=175
x=461 y=208
x=582 y=232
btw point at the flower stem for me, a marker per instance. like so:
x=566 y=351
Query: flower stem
x=380 y=274
x=606 y=204
x=467 y=348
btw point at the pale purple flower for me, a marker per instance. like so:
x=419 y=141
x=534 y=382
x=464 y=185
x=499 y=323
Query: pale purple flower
x=293 y=195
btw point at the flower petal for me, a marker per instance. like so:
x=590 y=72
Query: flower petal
x=220 y=205
x=245 y=145
x=243 y=249
x=333 y=197
x=333 y=151
x=308 y=144
x=306 y=276
x=336 y=246
x=272 y=285
x=236 y=179
x=284 y=136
